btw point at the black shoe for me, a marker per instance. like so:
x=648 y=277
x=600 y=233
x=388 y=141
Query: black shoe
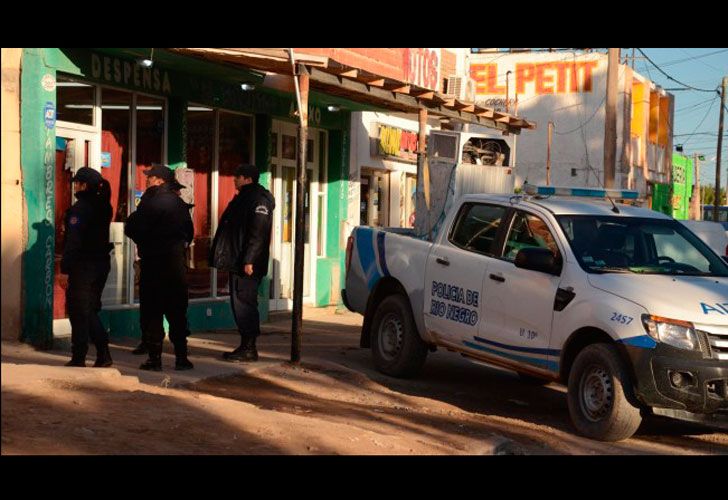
x=81 y=363
x=141 y=349
x=246 y=353
x=182 y=363
x=153 y=363
x=103 y=357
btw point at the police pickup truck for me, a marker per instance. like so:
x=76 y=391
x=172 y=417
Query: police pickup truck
x=624 y=305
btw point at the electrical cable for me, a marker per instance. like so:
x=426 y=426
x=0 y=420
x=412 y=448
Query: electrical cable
x=699 y=124
x=673 y=79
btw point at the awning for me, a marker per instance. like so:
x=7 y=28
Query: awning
x=334 y=78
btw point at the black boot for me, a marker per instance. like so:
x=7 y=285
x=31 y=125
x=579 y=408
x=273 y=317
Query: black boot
x=141 y=348
x=246 y=351
x=180 y=353
x=154 y=361
x=103 y=356
x=78 y=356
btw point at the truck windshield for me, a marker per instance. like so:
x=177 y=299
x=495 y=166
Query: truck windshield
x=604 y=244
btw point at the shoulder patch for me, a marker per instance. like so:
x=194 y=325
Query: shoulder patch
x=262 y=209
x=73 y=220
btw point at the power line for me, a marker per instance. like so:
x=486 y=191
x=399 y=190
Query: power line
x=699 y=124
x=673 y=79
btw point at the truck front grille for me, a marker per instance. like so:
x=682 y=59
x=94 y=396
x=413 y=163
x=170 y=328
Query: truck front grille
x=716 y=344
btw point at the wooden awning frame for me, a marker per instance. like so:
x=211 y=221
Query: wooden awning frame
x=332 y=77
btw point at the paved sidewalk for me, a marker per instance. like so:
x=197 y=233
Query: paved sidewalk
x=21 y=363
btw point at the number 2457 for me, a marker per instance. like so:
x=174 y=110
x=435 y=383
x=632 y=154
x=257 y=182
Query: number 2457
x=621 y=318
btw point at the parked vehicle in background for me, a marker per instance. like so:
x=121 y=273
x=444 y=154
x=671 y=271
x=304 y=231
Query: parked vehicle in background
x=624 y=305
x=714 y=234
x=722 y=214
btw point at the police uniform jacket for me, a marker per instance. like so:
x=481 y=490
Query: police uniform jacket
x=243 y=236
x=161 y=223
x=86 y=226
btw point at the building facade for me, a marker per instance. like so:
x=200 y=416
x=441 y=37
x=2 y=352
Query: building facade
x=569 y=90
x=102 y=109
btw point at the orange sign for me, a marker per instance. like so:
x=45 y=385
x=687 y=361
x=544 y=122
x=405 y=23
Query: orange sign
x=534 y=78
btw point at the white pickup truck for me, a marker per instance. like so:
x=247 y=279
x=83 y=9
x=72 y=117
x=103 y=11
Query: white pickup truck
x=624 y=305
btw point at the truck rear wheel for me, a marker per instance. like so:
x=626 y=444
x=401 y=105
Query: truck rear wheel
x=397 y=348
x=600 y=395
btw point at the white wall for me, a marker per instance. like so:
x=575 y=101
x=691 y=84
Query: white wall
x=578 y=115
x=12 y=195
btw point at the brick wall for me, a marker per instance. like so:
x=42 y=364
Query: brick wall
x=448 y=67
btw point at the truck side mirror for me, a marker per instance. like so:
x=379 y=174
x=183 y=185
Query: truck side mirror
x=538 y=259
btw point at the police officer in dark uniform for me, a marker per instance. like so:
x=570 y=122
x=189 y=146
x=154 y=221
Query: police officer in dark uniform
x=162 y=227
x=242 y=247
x=177 y=187
x=86 y=261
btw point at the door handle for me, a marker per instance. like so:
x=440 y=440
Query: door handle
x=443 y=261
x=497 y=278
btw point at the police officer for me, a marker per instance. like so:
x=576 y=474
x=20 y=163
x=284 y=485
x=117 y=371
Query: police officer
x=161 y=227
x=86 y=261
x=177 y=187
x=242 y=247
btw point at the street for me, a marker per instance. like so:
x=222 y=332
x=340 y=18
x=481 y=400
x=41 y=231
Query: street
x=334 y=402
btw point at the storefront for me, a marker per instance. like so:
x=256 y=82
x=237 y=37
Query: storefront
x=384 y=160
x=104 y=110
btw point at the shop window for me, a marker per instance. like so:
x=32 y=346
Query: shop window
x=149 y=150
x=235 y=148
x=115 y=154
x=410 y=197
x=74 y=101
x=200 y=149
x=374 y=199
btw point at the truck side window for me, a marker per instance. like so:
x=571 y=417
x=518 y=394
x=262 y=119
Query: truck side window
x=476 y=227
x=528 y=231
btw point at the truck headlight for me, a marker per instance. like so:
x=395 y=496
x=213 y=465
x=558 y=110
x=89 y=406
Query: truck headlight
x=674 y=332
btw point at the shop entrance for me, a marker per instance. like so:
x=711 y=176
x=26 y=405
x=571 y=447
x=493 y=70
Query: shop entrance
x=284 y=158
x=74 y=149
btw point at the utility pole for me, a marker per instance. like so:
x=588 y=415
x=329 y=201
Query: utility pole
x=298 y=262
x=720 y=146
x=610 y=125
x=695 y=200
x=548 y=154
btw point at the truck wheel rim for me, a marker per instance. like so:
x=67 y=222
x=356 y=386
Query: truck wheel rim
x=391 y=333
x=596 y=393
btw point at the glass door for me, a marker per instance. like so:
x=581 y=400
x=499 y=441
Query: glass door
x=74 y=149
x=284 y=155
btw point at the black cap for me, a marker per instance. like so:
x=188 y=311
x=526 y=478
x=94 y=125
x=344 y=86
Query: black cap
x=87 y=175
x=162 y=171
x=250 y=171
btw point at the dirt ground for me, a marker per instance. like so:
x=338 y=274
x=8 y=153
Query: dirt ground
x=334 y=402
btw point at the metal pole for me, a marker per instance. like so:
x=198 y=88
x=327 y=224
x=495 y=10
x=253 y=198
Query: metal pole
x=610 y=125
x=298 y=262
x=695 y=201
x=720 y=146
x=423 y=195
x=548 y=154
x=508 y=73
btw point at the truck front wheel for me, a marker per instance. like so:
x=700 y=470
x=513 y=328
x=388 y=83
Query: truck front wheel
x=600 y=395
x=397 y=348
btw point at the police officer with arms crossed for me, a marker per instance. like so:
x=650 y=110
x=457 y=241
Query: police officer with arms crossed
x=242 y=247
x=86 y=261
x=161 y=227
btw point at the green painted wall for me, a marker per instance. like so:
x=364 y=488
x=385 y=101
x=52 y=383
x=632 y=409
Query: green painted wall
x=38 y=169
x=333 y=264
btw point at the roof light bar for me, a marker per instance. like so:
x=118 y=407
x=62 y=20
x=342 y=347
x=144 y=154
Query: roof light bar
x=584 y=192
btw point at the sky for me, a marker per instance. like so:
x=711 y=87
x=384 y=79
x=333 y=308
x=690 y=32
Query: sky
x=695 y=111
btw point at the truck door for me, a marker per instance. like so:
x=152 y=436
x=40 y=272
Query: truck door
x=518 y=304
x=455 y=270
